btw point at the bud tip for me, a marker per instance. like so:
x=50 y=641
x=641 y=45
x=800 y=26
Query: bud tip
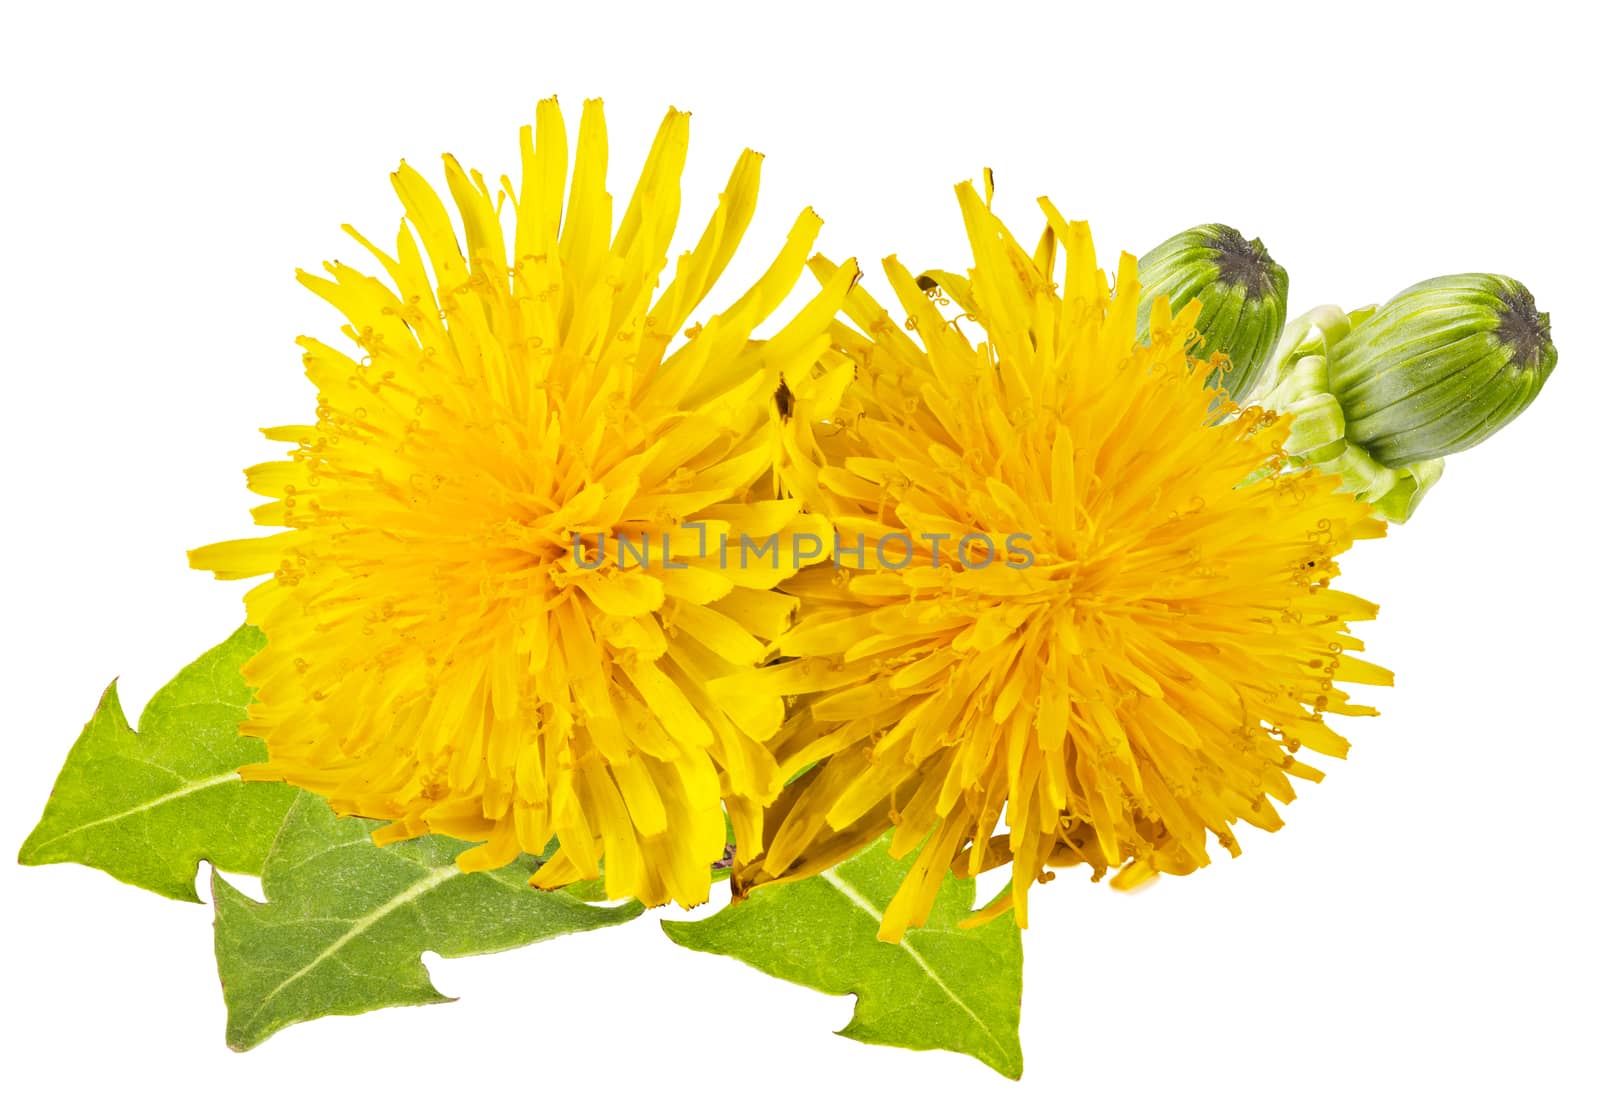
x=1523 y=329
x=1243 y=262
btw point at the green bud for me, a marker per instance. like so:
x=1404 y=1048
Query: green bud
x=1441 y=367
x=1243 y=294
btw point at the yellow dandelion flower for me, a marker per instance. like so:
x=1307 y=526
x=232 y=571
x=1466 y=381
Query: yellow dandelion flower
x=448 y=646
x=1058 y=611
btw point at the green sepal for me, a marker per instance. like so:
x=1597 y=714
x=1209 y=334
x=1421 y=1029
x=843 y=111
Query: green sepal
x=1296 y=382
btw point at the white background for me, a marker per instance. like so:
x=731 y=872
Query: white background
x=1427 y=916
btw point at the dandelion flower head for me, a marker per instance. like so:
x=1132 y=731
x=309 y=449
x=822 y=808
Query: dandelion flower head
x=439 y=652
x=1067 y=627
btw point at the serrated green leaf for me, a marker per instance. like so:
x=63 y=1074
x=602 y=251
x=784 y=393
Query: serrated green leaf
x=346 y=922
x=942 y=987
x=146 y=807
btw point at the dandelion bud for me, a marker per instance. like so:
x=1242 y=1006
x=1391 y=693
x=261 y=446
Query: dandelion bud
x=1242 y=292
x=1441 y=367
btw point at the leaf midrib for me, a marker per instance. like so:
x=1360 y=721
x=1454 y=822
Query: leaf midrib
x=425 y=884
x=862 y=903
x=155 y=802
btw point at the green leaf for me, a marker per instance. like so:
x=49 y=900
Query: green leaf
x=346 y=922
x=942 y=987
x=146 y=807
